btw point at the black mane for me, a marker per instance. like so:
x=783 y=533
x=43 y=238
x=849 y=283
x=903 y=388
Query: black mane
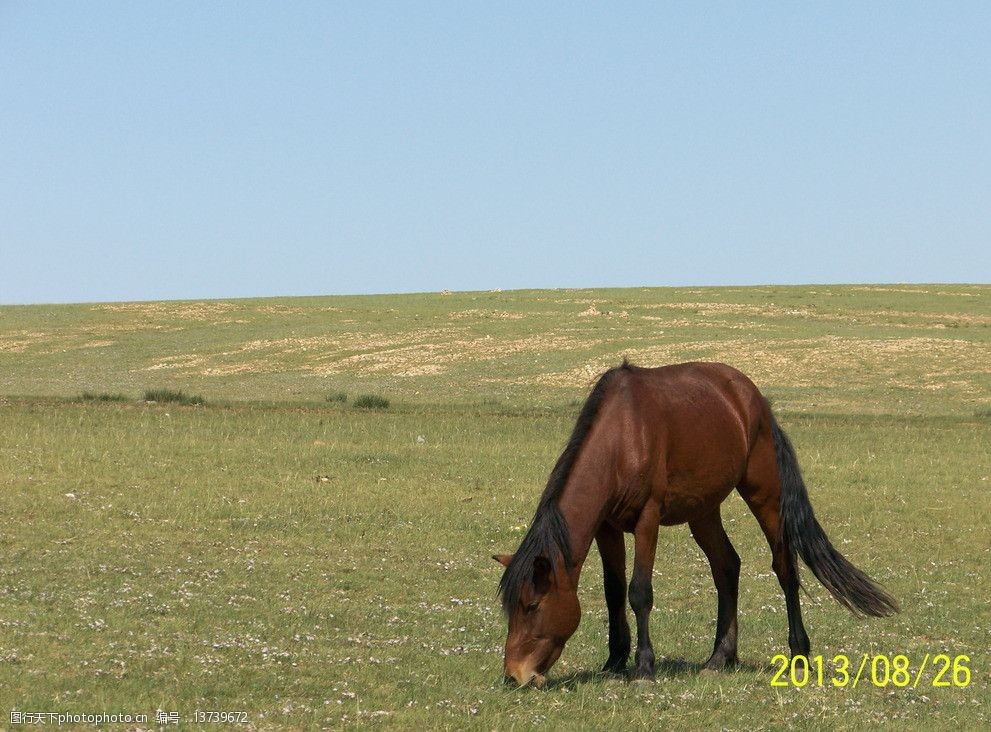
x=548 y=533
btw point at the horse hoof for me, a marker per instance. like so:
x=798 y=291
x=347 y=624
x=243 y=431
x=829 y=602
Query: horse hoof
x=717 y=664
x=642 y=674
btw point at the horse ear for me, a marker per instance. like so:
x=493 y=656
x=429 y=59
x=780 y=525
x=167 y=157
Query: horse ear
x=543 y=575
x=503 y=559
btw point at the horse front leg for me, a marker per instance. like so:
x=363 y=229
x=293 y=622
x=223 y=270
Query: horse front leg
x=641 y=587
x=612 y=549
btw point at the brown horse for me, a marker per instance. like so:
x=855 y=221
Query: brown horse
x=665 y=446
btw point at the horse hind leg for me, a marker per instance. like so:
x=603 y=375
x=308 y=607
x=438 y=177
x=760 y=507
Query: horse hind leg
x=724 y=562
x=761 y=490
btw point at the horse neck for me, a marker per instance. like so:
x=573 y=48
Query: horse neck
x=583 y=505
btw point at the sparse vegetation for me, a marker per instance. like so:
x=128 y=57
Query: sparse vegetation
x=88 y=396
x=167 y=396
x=371 y=401
x=337 y=397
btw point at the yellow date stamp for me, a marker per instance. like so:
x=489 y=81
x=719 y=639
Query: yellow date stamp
x=877 y=669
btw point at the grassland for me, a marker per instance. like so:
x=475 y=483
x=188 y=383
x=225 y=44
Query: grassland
x=282 y=551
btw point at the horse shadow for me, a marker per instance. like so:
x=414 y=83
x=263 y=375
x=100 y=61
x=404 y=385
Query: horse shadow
x=668 y=668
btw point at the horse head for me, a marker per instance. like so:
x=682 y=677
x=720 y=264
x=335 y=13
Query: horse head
x=543 y=616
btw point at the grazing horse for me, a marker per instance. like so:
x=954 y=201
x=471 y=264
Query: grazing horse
x=665 y=446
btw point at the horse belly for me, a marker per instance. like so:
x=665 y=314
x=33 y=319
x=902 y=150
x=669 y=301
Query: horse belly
x=687 y=494
x=702 y=461
x=678 y=506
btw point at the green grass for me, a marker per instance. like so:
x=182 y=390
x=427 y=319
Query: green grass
x=325 y=566
x=88 y=396
x=371 y=401
x=170 y=396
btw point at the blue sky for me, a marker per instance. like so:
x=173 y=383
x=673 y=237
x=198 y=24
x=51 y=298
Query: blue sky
x=190 y=150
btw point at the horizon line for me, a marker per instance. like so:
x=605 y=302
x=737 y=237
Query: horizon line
x=494 y=290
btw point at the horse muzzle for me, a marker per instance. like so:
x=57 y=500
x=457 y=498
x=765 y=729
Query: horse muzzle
x=522 y=677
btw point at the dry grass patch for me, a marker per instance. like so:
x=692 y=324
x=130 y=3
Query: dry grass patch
x=293 y=310
x=476 y=313
x=913 y=290
x=729 y=308
x=170 y=310
x=435 y=358
x=706 y=323
x=184 y=361
x=824 y=362
x=20 y=341
x=828 y=360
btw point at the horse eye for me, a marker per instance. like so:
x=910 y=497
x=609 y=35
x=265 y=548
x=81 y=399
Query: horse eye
x=531 y=607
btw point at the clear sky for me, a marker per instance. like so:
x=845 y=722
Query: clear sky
x=153 y=150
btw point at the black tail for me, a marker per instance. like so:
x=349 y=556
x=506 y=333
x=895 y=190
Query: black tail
x=852 y=588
